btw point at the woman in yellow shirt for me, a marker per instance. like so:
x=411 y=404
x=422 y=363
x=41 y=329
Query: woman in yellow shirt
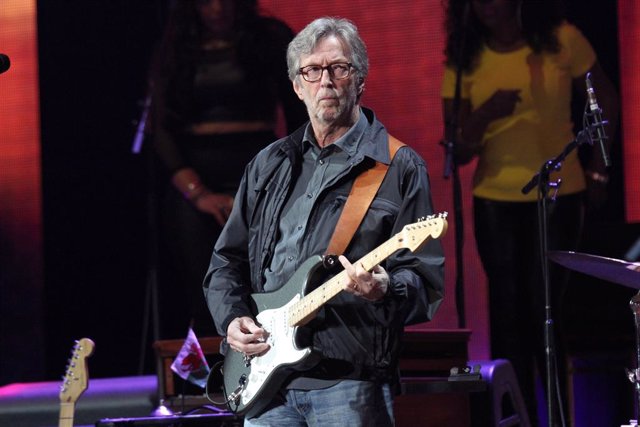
x=521 y=63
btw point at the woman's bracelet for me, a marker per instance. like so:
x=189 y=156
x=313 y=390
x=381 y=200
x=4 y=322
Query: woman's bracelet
x=600 y=178
x=194 y=191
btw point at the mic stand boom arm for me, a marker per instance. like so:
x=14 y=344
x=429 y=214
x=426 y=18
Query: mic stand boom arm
x=584 y=136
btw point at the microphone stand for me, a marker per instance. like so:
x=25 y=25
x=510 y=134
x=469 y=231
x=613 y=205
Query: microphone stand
x=451 y=169
x=634 y=376
x=151 y=303
x=542 y=181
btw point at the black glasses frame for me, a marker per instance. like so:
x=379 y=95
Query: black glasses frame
x=305 y=73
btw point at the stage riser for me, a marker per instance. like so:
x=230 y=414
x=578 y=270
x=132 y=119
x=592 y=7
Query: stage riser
x=601 y=396
x=38 y=404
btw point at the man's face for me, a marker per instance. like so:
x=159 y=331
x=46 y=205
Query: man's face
x=328 y=100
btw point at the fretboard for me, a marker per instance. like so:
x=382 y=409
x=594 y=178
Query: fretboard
x=304 y=310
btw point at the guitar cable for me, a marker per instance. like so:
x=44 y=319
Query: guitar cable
x=213 y=375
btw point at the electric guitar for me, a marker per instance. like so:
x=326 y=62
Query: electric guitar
x=251 y=382
x=75 y=381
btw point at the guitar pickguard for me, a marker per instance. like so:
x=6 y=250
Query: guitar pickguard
x=253 y=381
x=283 y=351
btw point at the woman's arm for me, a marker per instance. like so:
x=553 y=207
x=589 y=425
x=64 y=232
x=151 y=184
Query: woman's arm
x=471 y=126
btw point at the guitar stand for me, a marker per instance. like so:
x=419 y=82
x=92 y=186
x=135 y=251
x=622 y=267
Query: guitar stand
x=634 y=376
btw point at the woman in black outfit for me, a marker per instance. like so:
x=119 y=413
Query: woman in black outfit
x=218 y=83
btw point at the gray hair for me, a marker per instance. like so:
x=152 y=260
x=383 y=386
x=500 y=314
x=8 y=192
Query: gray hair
x=312 y=34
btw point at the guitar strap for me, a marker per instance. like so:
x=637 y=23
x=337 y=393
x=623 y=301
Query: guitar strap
x=362 y=193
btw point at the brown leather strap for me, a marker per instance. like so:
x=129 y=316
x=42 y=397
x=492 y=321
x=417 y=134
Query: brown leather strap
x=362 y=193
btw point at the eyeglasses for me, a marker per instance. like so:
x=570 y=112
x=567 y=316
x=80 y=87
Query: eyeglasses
x=337 y=71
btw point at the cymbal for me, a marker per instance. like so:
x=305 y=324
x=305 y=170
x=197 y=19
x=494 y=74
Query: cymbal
x=610 y=269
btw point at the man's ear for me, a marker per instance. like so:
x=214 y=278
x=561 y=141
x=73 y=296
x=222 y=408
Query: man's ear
x=297 y=88
x=361 y=87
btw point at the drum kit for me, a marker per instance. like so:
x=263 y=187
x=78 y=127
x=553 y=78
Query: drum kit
x=616 y=271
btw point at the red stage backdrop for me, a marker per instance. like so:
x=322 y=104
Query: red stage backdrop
x=20 y=202
x=20 y=209
x=629 y=40
x=405 y=40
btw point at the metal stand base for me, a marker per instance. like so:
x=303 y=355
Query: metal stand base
x=634 y=376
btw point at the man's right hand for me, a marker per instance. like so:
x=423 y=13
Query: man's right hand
x=244 y=336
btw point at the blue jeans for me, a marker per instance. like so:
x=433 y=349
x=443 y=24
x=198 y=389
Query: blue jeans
x=348 y=403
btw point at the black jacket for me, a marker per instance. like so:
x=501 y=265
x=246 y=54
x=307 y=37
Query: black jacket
x=361 y=335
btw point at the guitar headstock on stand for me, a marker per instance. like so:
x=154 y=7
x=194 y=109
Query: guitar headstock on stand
x=75 y=381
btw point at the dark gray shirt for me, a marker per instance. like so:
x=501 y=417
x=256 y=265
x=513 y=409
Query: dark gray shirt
x=320 y=166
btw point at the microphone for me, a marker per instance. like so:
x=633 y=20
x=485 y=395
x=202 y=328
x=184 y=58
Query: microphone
x=597 y=117
x=4 y=63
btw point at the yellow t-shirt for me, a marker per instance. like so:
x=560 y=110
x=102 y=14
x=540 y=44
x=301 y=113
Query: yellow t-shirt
x=515 y=147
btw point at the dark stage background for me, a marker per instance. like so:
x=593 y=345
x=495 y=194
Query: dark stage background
x=93 y=60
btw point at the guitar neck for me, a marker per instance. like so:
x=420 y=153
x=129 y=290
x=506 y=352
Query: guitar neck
x=304 y=310
x=67 y=410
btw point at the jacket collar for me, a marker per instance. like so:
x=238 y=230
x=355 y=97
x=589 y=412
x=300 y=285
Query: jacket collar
x=375 y=139
x=373 y=145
